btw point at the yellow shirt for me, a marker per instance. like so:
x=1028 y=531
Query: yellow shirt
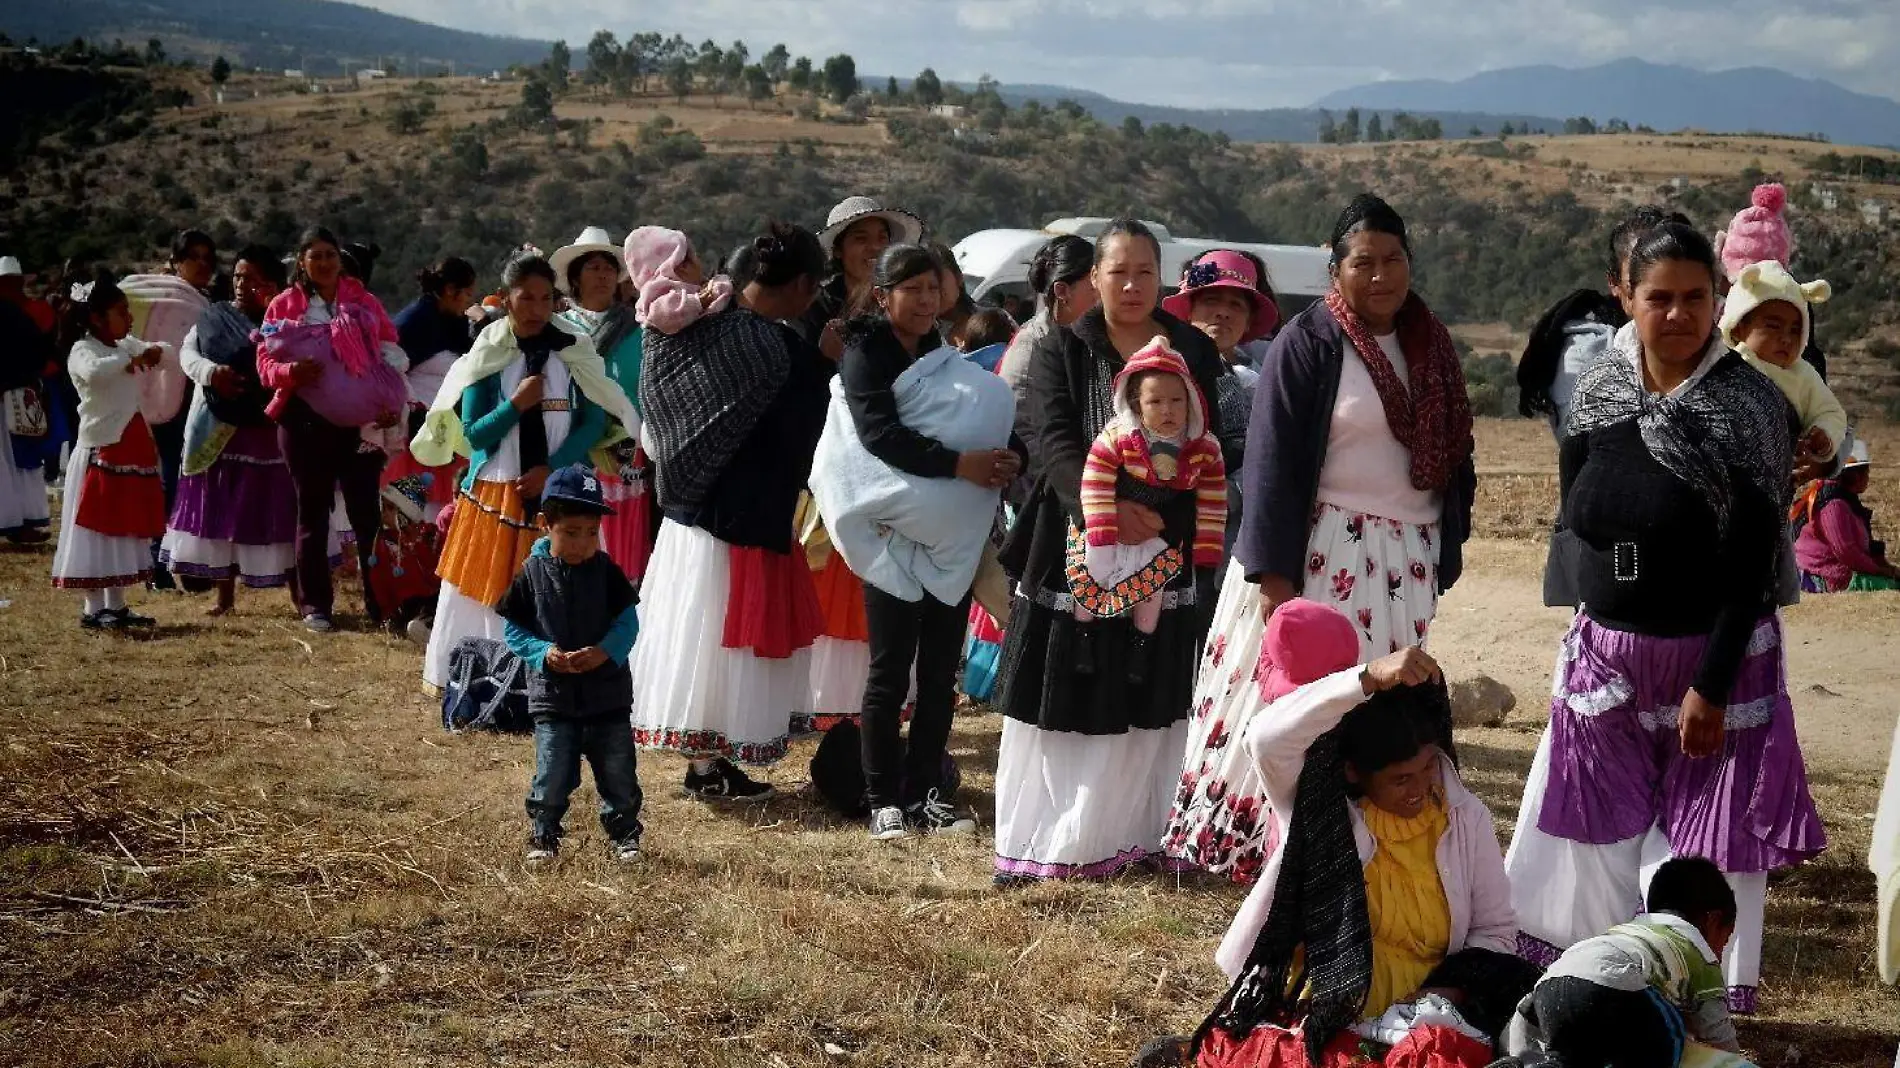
x=1411 y=921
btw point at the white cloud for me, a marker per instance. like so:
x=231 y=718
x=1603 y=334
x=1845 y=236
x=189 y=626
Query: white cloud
x=1247 y=53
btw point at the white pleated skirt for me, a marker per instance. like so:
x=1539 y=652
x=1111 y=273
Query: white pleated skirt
x=88 y=560
x=691 y=694
x=457 y=616
x=23 y=502
x=840 y=668
x=1081 y=806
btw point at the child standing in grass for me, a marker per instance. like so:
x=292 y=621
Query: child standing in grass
x=115 y=505
x=570 y=616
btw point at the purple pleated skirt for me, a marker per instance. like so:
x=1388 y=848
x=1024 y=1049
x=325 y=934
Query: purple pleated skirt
x=1617 y=765
x=245 y=498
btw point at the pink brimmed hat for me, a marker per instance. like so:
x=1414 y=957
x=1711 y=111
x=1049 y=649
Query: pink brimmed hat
x=1305 y=642
x=1222 y=269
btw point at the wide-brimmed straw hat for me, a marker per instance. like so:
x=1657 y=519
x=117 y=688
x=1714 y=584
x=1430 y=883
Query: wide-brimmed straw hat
x=906 y=229
x=1222 y=269
x=592 y=239
x=1857 y=456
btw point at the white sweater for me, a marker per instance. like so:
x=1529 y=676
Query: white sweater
x=108 y=390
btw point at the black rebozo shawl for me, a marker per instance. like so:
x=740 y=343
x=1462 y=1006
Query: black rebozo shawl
x=702 y=391
x=1319 y=902
x=1728 y=418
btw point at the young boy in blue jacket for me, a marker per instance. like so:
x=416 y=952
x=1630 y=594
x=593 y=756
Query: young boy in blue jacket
x=570 y=616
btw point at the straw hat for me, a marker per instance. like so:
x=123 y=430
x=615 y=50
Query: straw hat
x=592 y=239
x=1857 y=456
x=906 y=229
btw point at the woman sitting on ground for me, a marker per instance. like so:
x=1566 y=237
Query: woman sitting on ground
x=1835 y=545
x=1359 y=766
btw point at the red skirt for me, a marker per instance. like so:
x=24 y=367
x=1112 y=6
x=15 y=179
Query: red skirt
x=1278 y=1047
x=122 y=496
x=771 y=603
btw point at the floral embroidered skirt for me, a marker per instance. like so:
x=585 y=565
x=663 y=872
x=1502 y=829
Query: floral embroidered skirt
x=1382 y=574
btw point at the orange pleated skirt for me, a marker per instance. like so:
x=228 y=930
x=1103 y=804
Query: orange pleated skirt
x=841 y=599
x=489 y=539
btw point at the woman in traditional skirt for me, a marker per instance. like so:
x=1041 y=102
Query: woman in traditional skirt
x=1356 y=494
x=531 y=397
x=33 y=425
x=115 y=503
x=1671 y=731
x=590 y=272
x=435 y=331
x=235 y=515
x=856 y=233
x=1089 y=760
x=733 y=405
x=325 y=458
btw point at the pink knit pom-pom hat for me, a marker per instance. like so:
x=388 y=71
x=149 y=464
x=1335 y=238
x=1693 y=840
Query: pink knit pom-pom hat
x=1758 y=232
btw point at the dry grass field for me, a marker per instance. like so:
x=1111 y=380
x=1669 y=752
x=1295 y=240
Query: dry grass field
x=238 y=845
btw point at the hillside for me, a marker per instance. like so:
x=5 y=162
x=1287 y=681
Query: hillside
x=319 y=36
x=1655 y=95
x=455 y=166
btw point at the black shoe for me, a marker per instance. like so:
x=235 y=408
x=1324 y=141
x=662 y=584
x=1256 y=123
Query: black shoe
x=1084 y=650
x=94 y=620
x=627 y=849
x=1138 y=656
x=543 y=849
x=934 y=815
x=125 y=619
x=725 y=782
x=161 y=581
x=1003 y=880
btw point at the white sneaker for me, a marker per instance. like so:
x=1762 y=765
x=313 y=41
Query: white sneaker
x=887 y=824
x=934 y=815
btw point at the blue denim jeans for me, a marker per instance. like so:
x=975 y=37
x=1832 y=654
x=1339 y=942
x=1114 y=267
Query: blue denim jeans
x=607 y=743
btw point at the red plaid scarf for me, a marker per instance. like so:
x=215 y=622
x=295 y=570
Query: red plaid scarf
x=1432 y=417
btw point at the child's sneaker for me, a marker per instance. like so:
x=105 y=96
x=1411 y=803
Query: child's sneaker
x=725 y=782
x=94 y=620
x=543 y=849
x=887 y=824
x=627 y=850
x=317 y=623
x=934 y=815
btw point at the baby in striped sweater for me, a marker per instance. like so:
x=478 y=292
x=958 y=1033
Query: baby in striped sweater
x=1157 y=448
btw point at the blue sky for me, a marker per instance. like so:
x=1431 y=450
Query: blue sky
x=1244 y=53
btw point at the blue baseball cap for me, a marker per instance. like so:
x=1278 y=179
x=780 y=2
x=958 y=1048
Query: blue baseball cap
x=576 y=485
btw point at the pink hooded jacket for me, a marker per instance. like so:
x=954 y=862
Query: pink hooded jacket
x=1470 y=864
x=667 y=303
x=360 y=332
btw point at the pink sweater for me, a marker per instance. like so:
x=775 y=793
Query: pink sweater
x=1470 y=864
x=1834 y=545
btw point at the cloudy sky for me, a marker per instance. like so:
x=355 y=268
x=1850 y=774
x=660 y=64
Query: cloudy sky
x=1244 y=53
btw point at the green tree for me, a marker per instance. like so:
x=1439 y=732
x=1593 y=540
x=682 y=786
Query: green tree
x=1430 y=130
x=537 y=102
x=679 y=77
x=1349 y=131
x=220 y=71
x=468 y=155
x=154 y=52
x=603 y=59
x=1131 y=128
x=758 y=84
x=928 y=88
x=841 y=77
x=800 y=78
x=643 y=57
x=776 y=63
x=892 y=91
x=1375 y=128
x=1328 y=129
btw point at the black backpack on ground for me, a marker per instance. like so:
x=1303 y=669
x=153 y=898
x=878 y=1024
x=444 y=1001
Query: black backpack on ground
x=487 y=689
x=837 y=771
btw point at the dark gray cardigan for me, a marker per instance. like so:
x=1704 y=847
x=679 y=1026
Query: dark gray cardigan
x=1286 y=447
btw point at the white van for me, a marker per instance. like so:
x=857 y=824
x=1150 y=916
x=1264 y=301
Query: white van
x=995 y=263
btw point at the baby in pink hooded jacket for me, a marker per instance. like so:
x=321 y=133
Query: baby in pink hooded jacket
x=674 y=290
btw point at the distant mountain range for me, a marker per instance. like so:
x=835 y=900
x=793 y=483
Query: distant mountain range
x=1751 y=99
x=323 y=36
x=319 y=35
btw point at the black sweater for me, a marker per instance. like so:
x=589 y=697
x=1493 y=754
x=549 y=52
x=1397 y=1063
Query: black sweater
x=1687 y=577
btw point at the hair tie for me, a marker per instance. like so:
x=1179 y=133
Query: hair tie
x=81 y=292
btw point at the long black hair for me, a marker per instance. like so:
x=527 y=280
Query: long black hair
x=1064 y=259
x=266 y=261
x=895 y=266
x=781 y=255
x=76 y=316
x=450 y=272
x=1366 y=213
x=1671 y=241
